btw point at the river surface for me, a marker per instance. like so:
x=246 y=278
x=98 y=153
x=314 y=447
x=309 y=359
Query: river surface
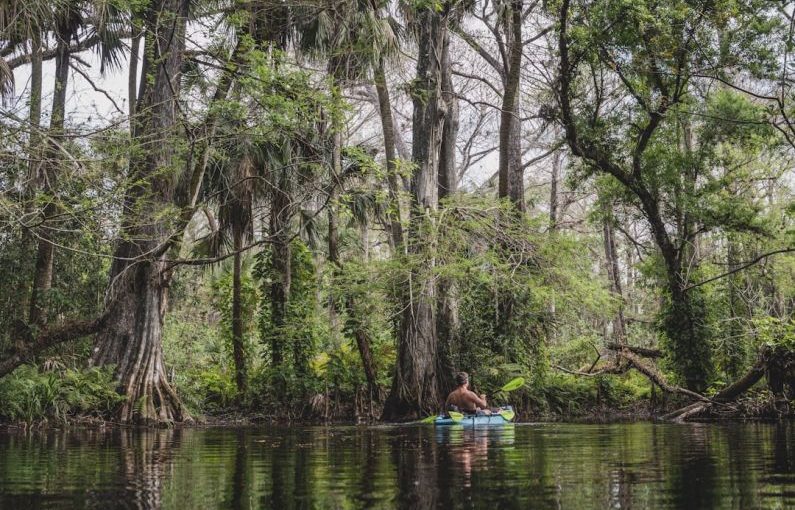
x=561 y=466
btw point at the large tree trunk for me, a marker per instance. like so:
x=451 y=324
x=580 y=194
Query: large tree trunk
x=511 y=179
x=132 y=77
x=280 y=286
x=613 y=274
x=448 y=175
x=510 y=173
x=132 y=342
x=238 y=347
x=447 y=323
x=47 y=176
x=22 y=298
x=138 y=288
x=34 y=115
x=415 y=388
x=390 y=151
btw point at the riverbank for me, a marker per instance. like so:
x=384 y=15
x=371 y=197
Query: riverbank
x=756 y=406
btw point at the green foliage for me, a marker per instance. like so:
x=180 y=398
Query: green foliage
x=196 y=345
x=508 y=278
x=249 y=297
x=30 y=394
x=775 y=332
x=687 y=318
x=298 y=335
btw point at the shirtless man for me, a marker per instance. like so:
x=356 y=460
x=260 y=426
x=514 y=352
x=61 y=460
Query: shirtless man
x=464 y=399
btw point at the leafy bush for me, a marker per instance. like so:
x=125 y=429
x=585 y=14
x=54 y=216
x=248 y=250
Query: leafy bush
x=29 y=394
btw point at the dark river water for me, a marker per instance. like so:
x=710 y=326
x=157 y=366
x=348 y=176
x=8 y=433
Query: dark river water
x=517 y=466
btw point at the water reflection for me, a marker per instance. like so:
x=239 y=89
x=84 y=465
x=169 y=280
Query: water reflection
x=522 y=466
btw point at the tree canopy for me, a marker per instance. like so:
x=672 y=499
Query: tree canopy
x=329 y=208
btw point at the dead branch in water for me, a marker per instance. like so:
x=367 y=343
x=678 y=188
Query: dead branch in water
x=775 y=363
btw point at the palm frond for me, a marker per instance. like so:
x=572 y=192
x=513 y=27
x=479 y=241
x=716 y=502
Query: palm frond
x=109 y=21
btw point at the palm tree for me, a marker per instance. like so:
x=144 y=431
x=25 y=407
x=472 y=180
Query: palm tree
x=232 y=185
x=68 y=18
x=354 y=38
x=24 y=25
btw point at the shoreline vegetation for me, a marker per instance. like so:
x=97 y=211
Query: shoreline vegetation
x=314 y=211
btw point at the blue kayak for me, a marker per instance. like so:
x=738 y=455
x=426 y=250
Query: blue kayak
x=505 y=415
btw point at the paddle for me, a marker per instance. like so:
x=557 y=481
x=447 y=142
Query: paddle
x=507 y=414
x=513 y=384
x=455 y=416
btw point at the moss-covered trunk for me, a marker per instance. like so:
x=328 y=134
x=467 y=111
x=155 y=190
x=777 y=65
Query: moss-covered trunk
x=415 y=388
x=139 y=280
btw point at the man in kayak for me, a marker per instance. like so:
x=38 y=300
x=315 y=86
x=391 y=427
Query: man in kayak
x=465 y=400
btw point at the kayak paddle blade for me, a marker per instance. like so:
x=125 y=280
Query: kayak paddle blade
x=513 y=384
x=455 y=416
x=507 y=414
x=429 y=419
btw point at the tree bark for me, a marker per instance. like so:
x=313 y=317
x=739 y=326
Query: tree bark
x=132 y=77
x=363 y=344
x=554 y=199
x=45 y=254
x=29 y=346
x=138 y=287
x=447 y=323
x=613 y=274
x=332 y=207
x=390 y=151
x=22 y=302
x=415 y=387
x=238 y=346
x=511 y=178
x=280 y=215
x=448 y=175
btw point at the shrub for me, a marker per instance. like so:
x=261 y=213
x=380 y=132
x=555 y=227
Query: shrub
x=29 y=394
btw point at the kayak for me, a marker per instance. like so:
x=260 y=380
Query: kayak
x=505 y=415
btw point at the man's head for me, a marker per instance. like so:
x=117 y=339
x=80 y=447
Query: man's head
x=461 y=378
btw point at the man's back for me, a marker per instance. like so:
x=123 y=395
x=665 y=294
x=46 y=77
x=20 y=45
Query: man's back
x=465 y=400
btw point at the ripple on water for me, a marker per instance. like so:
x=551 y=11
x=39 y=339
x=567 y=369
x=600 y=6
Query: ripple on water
x=517 y=466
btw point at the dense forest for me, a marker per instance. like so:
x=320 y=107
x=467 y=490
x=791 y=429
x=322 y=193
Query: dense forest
x=324 y=209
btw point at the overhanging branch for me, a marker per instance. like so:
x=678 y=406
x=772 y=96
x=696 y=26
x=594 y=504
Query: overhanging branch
x=27 y=348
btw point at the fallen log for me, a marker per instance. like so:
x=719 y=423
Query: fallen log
x=640 y=351
x=727 y=394
x=775 y=360
x=632 y=358
x=656 y=377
